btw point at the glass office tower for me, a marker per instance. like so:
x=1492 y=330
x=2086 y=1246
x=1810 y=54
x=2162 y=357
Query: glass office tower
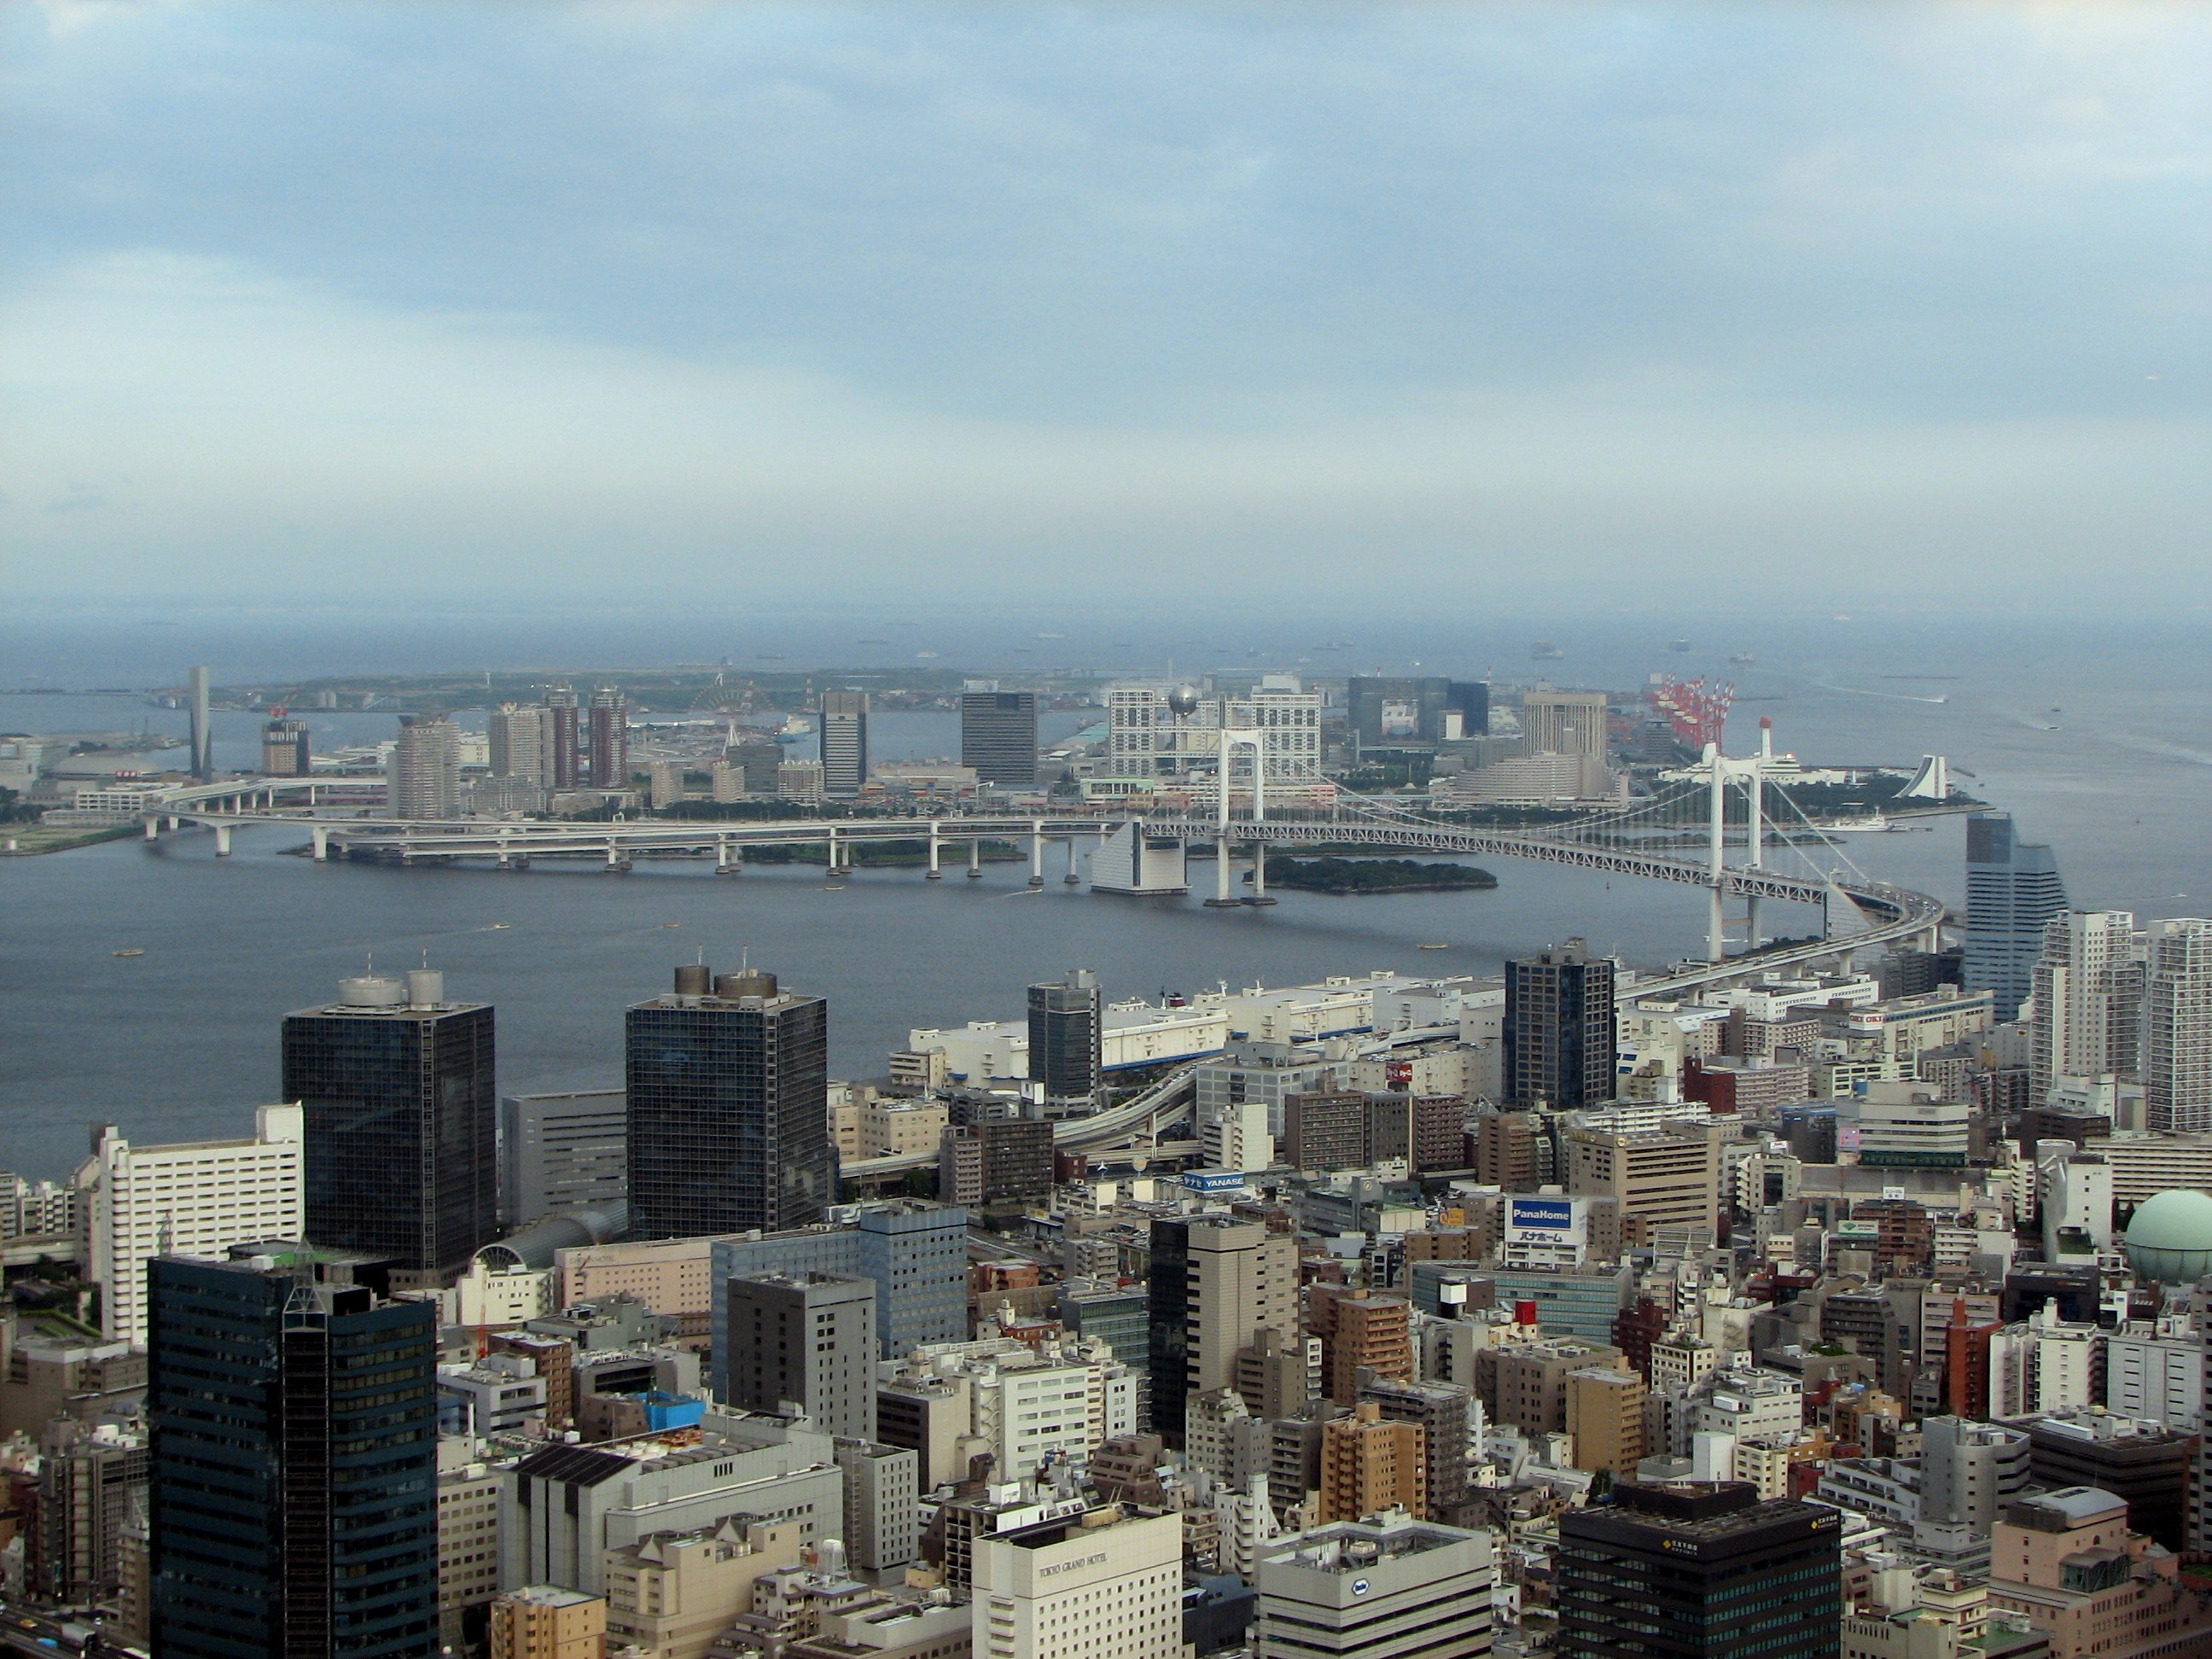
x=293 y=1487
x=2013 y=889
x=728 y=1085
x=401 y=1122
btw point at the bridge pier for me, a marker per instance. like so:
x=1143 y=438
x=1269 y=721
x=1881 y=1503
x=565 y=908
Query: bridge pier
x=321 y=837
x=1751 y=922
x=222 y=840
x=617 y=862
x=1037 y=854
x=936 y=849
x=1259 y=895
x=153 y=828
x=975 y=860
x=1071 y=878
x=729 y=859
x=1221 y=900
x=833 y=869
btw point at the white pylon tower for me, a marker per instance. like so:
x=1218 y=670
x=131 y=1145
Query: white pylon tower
x=1721 y=771
x=1234 y=739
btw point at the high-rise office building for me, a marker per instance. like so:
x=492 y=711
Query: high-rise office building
x=1699 y=1571
x=293 y=1476
x=284 y=751
x=999 y=736
x=563 y=1151
x=610 y=739
x=2012 y=891
x=844 y=742
x=1564 y=723
x=401 y=1120
x=1361 y=1589
x=1559 y=1031
x=425 y=780
x=729 y=1108
x=1217 y=1282
x=2088 y=999
x=521 y=742
x=915 y=1253
x=804 y=1339
x=565 y=749
x=2177 y=1033
x=197 y=1198
x=1066 y=1021
x=1386 y=712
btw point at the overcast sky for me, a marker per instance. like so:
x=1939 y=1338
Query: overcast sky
x=1530 y=305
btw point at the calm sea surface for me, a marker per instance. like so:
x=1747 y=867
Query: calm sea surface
x=2099 y=738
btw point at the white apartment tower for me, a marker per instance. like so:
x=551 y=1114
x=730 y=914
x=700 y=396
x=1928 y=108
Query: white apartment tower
x=425 y=776
x=196 y=1199
x=2176 y=1057
x=2088 y=999
x=1106 y=1585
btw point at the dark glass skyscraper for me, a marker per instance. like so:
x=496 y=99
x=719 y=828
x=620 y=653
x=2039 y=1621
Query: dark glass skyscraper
x=2013 y=889
x=1700 y=1571
x=729 y=1108
x=402 y=1119
x=1560 y=1034
x=999 y=736
x=294 y=1474
x=1065 y=1022
x=1168 y=1278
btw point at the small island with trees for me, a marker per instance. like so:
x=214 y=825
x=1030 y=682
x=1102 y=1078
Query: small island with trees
x=1331 y=875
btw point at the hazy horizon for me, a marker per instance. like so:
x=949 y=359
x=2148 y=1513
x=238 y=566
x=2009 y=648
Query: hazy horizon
x=1558 y=310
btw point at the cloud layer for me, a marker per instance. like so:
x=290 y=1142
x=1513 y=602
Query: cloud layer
x=1517 y=300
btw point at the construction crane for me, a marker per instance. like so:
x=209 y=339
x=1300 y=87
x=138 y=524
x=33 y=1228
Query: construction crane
x=1698 y=712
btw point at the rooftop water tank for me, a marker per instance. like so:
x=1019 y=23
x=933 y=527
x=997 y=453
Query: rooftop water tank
x=369 y=991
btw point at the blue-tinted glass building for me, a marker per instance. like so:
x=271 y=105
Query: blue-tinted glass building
x=916 y=1255
x=293 y=1473
x=728 y=1106
x=402 y=1115
x=2012 y=887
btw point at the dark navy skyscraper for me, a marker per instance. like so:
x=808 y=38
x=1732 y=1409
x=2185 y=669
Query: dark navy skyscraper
x=2012 y=887
x=1559 y=1031
x=729 y=1108
x=293 y=1476
x=401 y=1122
x=1065 y=1038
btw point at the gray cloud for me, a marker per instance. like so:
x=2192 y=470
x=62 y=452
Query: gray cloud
x=1436 y=285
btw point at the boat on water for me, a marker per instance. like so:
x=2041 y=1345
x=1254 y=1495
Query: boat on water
x=129 y=953
x=1545 y=651
x=1744 y=660
x=501 y=927
x=1434 y=947
x=1678 y=645
x=1874 y=825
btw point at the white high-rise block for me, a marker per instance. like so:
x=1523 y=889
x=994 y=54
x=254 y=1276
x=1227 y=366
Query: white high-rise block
x=198 y=1198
